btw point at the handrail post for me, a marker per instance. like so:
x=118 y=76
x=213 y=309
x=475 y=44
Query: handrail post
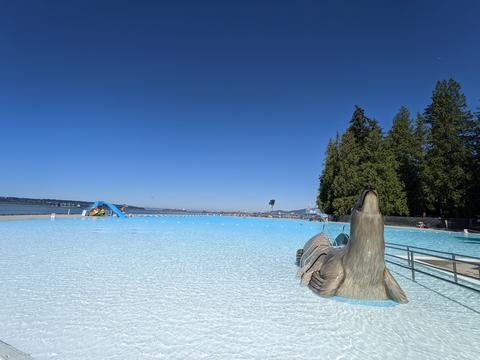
x=412 y=265
x=454 y=268
x=408 y=255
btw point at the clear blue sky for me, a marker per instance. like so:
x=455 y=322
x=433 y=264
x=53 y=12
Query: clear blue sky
x=210 y=104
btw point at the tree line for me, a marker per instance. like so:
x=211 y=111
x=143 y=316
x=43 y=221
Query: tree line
x=429 y=166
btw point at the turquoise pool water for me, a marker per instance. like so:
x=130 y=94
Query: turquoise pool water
x=212 y=288
x=467 y=244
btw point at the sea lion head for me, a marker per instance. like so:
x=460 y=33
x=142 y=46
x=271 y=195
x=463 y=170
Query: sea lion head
x=366 y=231
x=368 y=203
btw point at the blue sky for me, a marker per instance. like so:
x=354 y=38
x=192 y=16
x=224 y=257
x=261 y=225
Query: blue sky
x=210 y=104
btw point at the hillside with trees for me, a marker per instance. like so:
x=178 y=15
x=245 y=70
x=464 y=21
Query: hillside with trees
x=427 y=166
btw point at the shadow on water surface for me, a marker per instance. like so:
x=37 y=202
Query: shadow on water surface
x=437 y=292
x=371 y=303
x=468 y=239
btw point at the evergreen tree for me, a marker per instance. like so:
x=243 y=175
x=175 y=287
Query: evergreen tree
x=431 y=165
x=359 y=125
x=330 y=169
x=476 y=167
x=406 y=147
x=379 y=168
x=421 y=134
x=446 y=158
x=364 y=159
x=473 y=191
x=348 y=182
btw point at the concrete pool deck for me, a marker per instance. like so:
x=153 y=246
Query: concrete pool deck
x=472 y=270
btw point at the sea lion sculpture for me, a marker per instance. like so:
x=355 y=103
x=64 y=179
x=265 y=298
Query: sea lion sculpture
x=356 y=270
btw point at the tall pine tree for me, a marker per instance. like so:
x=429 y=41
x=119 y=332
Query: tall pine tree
x=406 y=147
x=364 y=159
x=421 y=133
x=379 y=168
x=330 y=170
x=348 y=181
x=473 y=190
x=446 y=160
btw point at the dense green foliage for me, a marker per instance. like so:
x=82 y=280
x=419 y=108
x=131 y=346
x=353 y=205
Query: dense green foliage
x=361 y=157
x=405 y=141
x=473 y=190
x=430 y=166
x=447 y=158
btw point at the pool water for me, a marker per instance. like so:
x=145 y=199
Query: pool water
x=213 y=288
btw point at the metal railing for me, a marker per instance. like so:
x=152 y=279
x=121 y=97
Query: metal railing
x=429 y=259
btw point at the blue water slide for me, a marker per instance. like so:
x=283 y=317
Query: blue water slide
x=112 y=207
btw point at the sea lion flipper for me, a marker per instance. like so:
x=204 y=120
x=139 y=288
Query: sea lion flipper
x=327 y=280
x=314 y=263
x=394 y=291
x=311 y=254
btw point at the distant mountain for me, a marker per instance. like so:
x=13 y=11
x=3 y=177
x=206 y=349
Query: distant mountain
x=298 y=212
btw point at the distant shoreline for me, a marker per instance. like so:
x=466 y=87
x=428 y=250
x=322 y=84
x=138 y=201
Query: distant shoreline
x=60 y=203
x=38 y=217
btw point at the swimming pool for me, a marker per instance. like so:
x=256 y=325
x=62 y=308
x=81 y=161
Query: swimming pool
x=215 y=288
